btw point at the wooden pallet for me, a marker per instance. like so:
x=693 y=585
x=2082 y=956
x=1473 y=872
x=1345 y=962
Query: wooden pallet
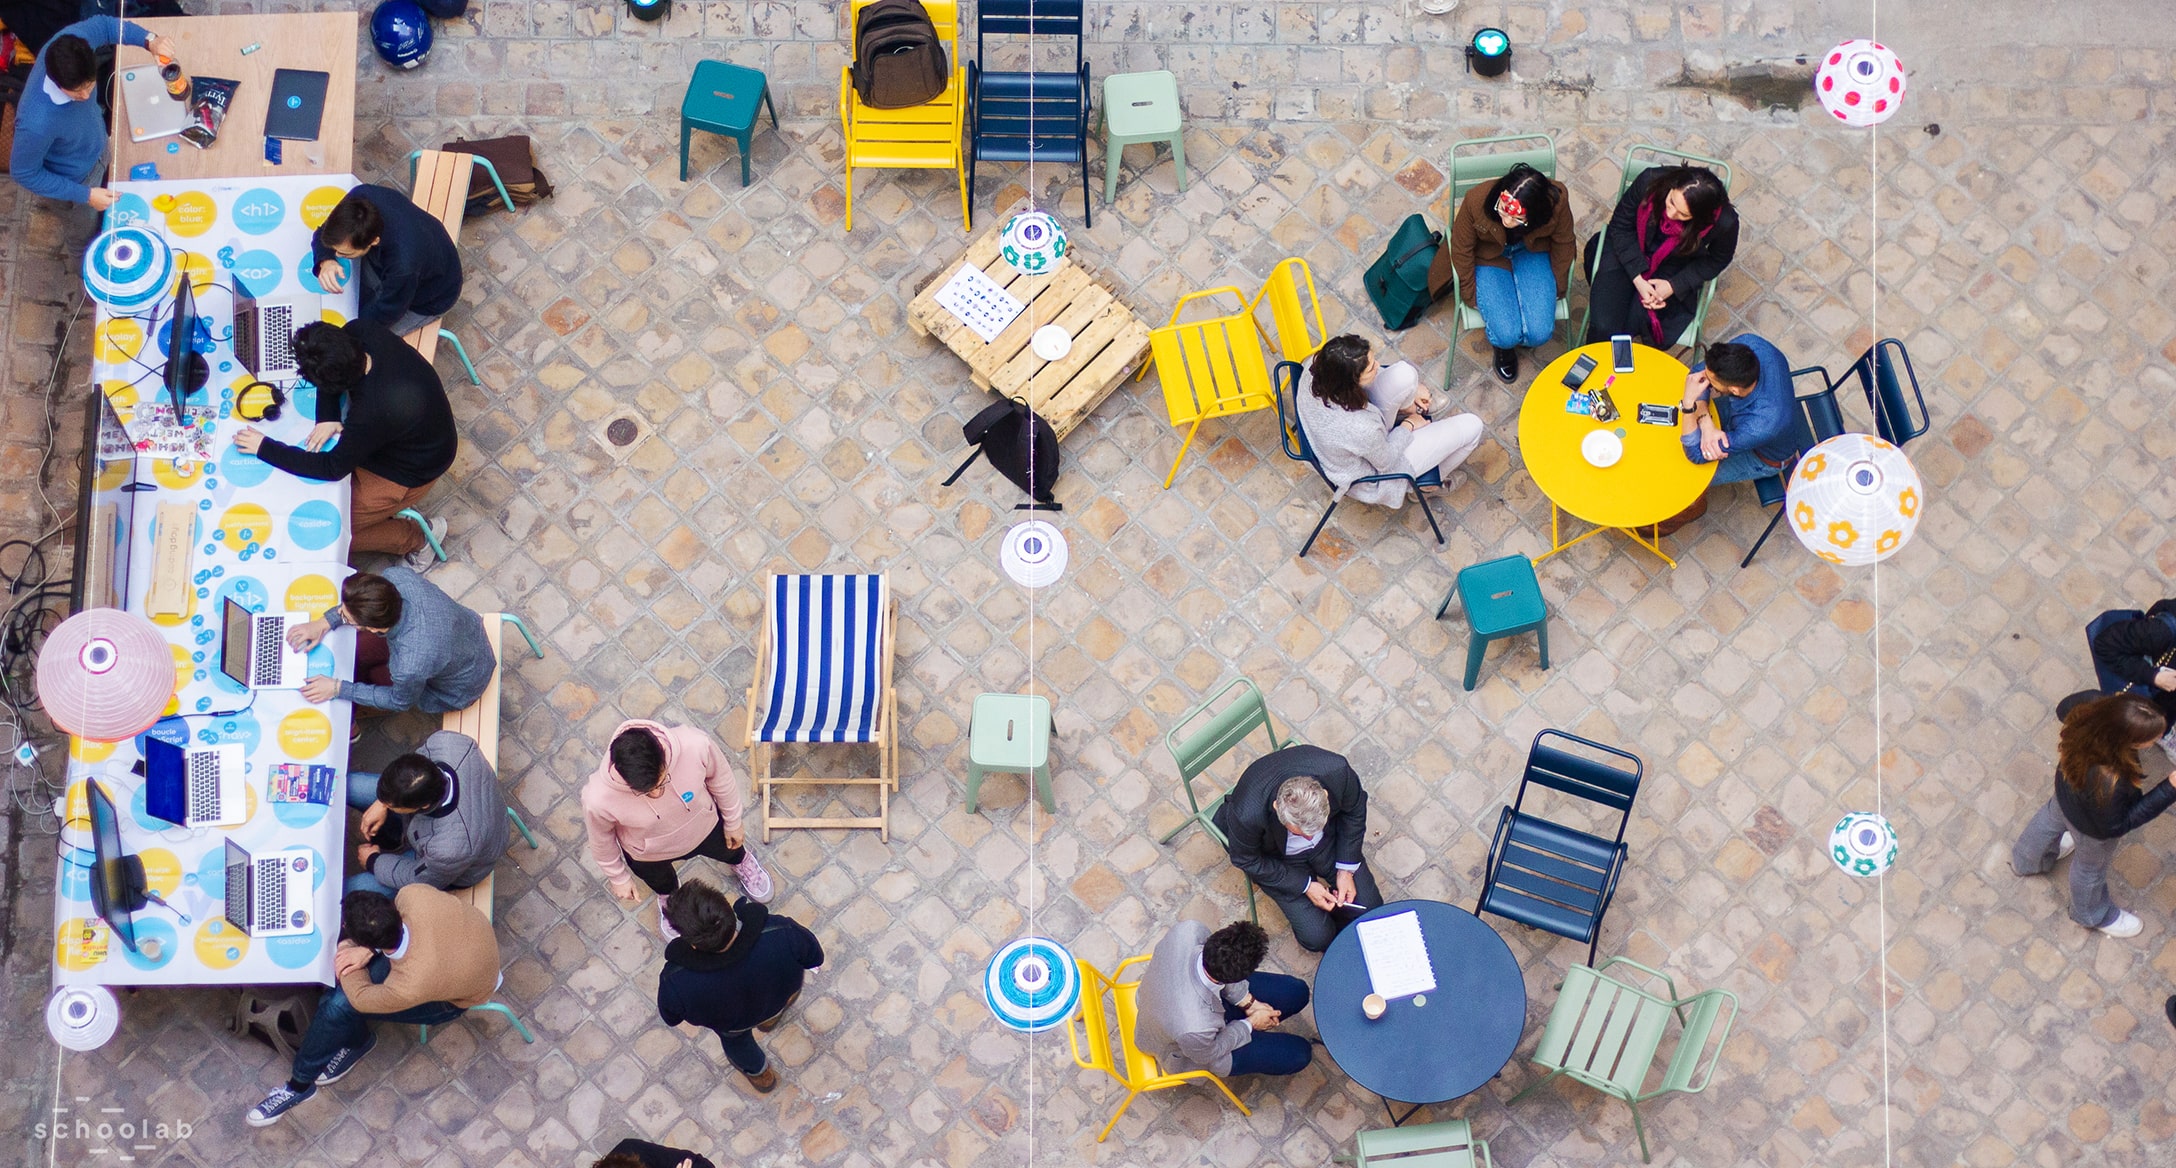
x=1109 y=342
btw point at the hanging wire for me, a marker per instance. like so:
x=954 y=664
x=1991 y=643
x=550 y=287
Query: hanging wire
x=1873 y=320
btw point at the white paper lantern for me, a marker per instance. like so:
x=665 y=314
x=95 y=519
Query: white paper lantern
x=1860 y=82
x=1855 y=499
x=128 y=268
x=1863 y=844
x=1033 y=554
x=1032 y=241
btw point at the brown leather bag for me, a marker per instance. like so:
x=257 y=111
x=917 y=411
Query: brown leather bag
x=515 y=160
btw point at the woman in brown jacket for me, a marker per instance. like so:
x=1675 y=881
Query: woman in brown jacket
x=1512 y=244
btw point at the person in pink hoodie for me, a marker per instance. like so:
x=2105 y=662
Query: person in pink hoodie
x=665 y=794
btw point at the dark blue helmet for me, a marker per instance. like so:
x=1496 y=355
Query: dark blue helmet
x=401 y=33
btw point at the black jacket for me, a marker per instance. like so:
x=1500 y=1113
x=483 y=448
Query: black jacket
x=2119 y=809
x=1249 y=821
x=1692 y=263
x=2130 y=649
x=399 y=423
x=658 y=1155
x=749 y=982
x=414 y=267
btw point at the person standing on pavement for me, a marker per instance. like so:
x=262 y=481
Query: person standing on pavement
x=2099 y=798
x=734 y=968
x=664 y=794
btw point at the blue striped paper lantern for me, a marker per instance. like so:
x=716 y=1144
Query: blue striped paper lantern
x=1032 y=984
x=128 y=268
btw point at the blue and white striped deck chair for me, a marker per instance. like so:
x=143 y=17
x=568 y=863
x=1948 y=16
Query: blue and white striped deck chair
x=824 y=675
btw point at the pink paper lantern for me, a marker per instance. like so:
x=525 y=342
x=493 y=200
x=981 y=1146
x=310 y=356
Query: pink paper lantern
x=105 y=674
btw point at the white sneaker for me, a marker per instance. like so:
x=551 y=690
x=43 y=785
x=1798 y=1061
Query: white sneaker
x=2065 y=846
x=2125 y=925
x=753 y=879
x=423 y=559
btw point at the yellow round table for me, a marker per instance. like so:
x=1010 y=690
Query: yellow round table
x=1652 y=481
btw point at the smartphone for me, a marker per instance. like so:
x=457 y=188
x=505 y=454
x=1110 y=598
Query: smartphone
x=1658 y=415
x=1577 y=375
x=1620 y=352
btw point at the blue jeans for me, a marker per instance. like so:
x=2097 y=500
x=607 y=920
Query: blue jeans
x=741 y=1050
x=1518 y=307
x=362 y=792
x=1273 y=1052
x=338 y=1024
x=1738 y=466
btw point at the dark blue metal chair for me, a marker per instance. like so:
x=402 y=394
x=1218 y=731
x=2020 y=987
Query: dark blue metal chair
x=1894 y=416
x=1287 y=379
x=1551 y=877
x=1029 y=116
x=1817 y=419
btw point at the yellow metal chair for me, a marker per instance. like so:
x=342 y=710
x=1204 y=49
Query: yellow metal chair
x=1210 y=368
x=1091 y=1027
x=924 y=137
x=1295 y=341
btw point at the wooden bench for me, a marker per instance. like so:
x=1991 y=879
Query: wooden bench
x=440 y=187
x=480 y=722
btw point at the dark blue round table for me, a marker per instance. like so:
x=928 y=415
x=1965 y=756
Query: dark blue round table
x=1424 y=1053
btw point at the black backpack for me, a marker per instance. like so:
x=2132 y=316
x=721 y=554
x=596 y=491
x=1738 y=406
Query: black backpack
x=898 y=59
x=1022 y=447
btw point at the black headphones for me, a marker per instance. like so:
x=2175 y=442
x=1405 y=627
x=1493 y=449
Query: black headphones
x=264 y=397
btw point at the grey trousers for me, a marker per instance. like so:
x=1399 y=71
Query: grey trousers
x=2034 y=855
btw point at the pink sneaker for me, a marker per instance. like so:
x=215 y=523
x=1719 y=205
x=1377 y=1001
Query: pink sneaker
x=664 y=927
x=753 y=879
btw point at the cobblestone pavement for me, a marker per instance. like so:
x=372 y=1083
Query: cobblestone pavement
x=797 y=423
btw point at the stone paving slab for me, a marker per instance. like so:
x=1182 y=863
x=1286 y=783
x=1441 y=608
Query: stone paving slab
x=796 y=423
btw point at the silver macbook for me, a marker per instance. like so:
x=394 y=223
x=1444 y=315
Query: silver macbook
x=152 y=112
x=253 y=649
x=264 y=334
x=269 y=896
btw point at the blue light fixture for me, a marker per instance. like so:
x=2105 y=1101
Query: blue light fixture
x=1490 y=53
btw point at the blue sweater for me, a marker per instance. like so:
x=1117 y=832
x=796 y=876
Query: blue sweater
x=1761 y=420
x=58 y=146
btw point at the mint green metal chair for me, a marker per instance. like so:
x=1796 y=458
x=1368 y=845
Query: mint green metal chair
x=1217 y=734
x=1449 y=1144
x=423 y=1032
x=1139 y=108
x=1606 y=1033
x=1634 y=166
x=1010 y=732
x=1502 y=598
x=1484 y=164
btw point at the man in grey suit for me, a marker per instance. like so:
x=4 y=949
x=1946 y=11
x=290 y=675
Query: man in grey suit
x=1295 y=823
x=1203 y=1007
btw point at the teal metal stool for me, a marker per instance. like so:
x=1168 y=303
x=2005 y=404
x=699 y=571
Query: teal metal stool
x=1010 y=732
x=1137 y=108
x=1502 y=599
x=423 y=1035
x=724 y=99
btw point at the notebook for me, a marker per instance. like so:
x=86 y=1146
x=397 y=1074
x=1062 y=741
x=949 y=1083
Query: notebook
x=298 y=104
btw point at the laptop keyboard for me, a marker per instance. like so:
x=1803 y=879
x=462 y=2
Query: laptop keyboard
x=271 y=893
x=276 y=329
x=264 y=657
x=204 y=787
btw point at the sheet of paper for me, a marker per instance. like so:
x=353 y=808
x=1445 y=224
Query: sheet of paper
x=1397 y=956
x=978 y=302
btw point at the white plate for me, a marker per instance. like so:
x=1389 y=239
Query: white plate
x=1602 y=448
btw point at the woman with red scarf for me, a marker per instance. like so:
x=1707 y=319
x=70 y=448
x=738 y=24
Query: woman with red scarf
x=1673 y=231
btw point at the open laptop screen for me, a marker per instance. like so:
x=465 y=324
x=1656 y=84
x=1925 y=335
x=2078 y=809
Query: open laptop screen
x=235 y=628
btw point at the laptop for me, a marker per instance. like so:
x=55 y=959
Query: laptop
x=195 y=786
x=298 y=104
x=269 y=896
x=264 y=334
x=152 y=112
x=253 y=648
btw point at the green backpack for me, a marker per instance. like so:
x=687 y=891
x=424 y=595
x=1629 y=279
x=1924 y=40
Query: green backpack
x=1398 y=280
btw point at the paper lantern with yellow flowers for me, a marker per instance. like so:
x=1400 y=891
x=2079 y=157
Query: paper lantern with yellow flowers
x=1855 y=499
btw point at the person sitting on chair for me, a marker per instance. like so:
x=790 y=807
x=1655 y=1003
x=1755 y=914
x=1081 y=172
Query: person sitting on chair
x=416 y=648
x=1363 y=418
x=1203 y=1005
x=1672 y=232
x=420 y=957
x=443 y=804
x=1294 y=824
x=411 y=271
x=397 y=438
x=2143 y=653
x=1512 y=245
x=1754 y=442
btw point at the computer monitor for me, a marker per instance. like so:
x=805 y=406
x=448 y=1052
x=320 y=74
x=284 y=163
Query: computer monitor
x=186 y=371
x=105 y=510
x=117 y=878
